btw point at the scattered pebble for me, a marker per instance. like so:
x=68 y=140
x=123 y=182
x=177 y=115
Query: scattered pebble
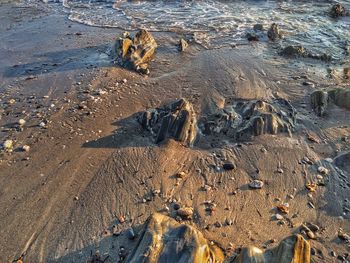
x=21 y=122
x=26 y=148
x=256 y=184
x=322 y=170
x=228 y=166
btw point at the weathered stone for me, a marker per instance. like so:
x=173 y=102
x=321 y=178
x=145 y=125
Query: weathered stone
x=135 y=53
x=185 y=213
x=176 y=120
x=183 y=45
x=294 y=51
x=252 y=37
x=293 y=249
x=319 y=102
x=165 y=240
x=260 y=117
x=274 y=32
x=338 y=10
x=228 y=166
x=256 y=184
x=258 y=27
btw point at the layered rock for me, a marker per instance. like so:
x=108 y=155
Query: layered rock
x=135 y=52
x=166 y=240
x=293 y=249
x=176 y=120
x=244 y=120
x=340 y=97
x=319 y=102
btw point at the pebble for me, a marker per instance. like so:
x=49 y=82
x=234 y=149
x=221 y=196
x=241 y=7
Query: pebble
x=228 y=222
x=8 y=145
x=280 y=170
x=21 y=122
x=176 y=206
x=228 y=166
x=279 y=217
x=181 y=175
x=185 y=213
x=322 y=170
x=256 y=184
x=125 y=80
x=76 y=198
x=26 y=148
x=42 y=124
x=130 y=233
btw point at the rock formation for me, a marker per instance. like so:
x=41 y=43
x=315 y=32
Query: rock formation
x=244 y=120
x=294 y=51
x=338 y=10
x=274 y=32
x=176 y=120
x=319 y=102
x=343 y=161
x=293 y=249
x=166 y=240
x=135 y=53
x=320 y=99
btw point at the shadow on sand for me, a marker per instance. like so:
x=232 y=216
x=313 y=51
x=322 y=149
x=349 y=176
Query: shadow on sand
x=65 y=60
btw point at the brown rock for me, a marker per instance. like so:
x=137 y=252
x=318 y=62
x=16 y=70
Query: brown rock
x=183 y=45
x=274 y=32
x=294 y=51
x=135 y=53
x=176 y=120
x=166 y=241
x=338 y=10
x=293 y=249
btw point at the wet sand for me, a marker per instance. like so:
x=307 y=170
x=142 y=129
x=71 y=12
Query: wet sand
x=92 y=162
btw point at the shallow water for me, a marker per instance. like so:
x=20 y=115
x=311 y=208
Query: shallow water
x=220 y=23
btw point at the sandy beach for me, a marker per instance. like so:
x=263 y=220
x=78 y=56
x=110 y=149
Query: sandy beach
x=90 y=162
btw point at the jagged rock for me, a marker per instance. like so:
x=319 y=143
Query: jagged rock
x=176 y=120
x=338 y=10
x=340 y=97
x=183 y=45
x=135 y=53
x=294 y=51
x=244 y=120
x=319 y=102
x=260 y=117
x=274 y=32
x=166 y=241
x=293 y=249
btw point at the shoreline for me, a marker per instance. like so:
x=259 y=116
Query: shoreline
x=91 y=160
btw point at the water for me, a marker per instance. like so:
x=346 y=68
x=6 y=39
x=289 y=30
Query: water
x=220 y=23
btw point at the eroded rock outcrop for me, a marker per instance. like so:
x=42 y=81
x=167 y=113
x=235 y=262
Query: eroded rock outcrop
x=166 y=240
x=319 y=102
x=293 y=249
x=343 y=161
x=320 y=99
x=135 y=52
x=244 y=120
x=176 y=120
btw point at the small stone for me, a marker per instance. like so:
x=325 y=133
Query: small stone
x=343 y=236
x=313 y=227
x=256 y=184
x=130 y=233
x=121 y=219
x=322 y=170
x=181 y=175
x=311 y=205
x=183 y=45
x=176 y=206
x=218 y=224
x=228 y=166
x=333 y=254
x=185 y=213
x=21 y=122
x=228 y=222
x=8 y=145
x=279 y=217
x=310 y=234
x=26 y=148
x=311 y=187
x=125 y=81
x=280 y=170
x=42 y=124
x=284 y=208
x=76 y=198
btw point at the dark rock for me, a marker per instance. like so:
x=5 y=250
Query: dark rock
x=252 y=37
x=274 y=32
x=343 y=161
x=176 y=206
x=258 y=27
x=294 y=51
x=183 y=45
x=228 y=166
x=176 y=120
x=338 y=10
x=130 y=233
x=135 y=53
x=165 y=240
x=319 y=102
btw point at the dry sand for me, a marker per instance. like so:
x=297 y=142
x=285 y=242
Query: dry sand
x=92 y=162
